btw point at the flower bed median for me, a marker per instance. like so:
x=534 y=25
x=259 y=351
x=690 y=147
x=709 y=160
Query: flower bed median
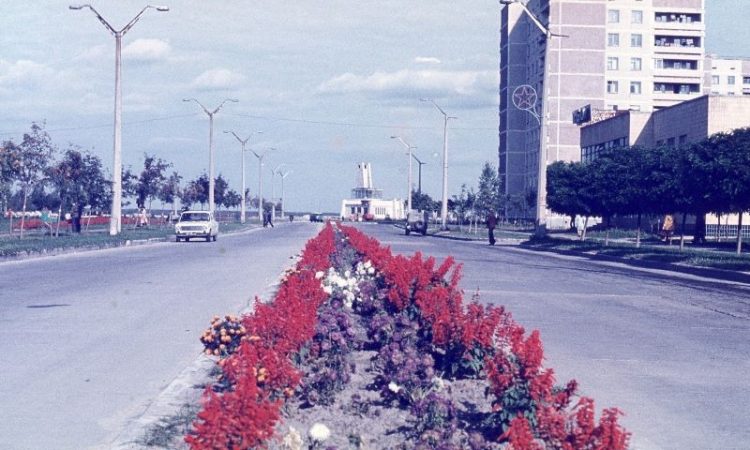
x=361 y=348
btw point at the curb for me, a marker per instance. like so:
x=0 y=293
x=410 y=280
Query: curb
x=706 y=272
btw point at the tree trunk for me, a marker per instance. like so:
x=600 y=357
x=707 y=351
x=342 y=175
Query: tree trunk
x=23 y=212
x=585 y=226
x=699 y=234
x=606 y=231
x=59 y=217
x=682 y=232
x=638 y=233
x=739 y=234
x=718 y=228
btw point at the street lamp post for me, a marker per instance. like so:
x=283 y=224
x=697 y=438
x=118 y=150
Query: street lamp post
x=283 y=176
x=260 y=157
x=541 y=189
x=409 y=154
x=115 y=222
x=419 y=183
x=243 y=207
x=444 y=206
x=273 y=190
x=210 y=115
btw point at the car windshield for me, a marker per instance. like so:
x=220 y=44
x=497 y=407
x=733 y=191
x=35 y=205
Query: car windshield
x=194 y=217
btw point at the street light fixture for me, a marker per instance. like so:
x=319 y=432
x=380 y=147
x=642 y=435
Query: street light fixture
x=409 y=153
x=243 y=207
x=444 y=206
x=260 y=157
x=419 y=185
x=283 y=176
x=273 y=190
x=115 y=222
x=210 y=115
x=541 y=189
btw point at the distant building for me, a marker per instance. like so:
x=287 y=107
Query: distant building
x=683 y=123
x=367 y=202
x=727 y=76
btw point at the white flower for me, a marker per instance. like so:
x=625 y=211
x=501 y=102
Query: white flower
x=347 y=274
x=341 y=282
x=319 y=432
x=368 y=264
x=371 y=270
x=292 y=440
x=393 y=387
x=328 y=290
x=319 y=275
x=438 y=383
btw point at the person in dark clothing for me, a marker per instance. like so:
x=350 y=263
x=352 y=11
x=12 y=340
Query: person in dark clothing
x=269 y=219
x=491 y=224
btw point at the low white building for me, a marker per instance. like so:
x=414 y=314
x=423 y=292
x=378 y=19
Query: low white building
x=367 y=202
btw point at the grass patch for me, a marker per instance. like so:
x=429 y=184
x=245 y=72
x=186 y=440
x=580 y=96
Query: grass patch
x=710 y=257
x=168 y=432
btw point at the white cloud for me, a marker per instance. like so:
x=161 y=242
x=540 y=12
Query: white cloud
x=426 y=60
x=23 y=73
x=147 y=50
x=93 y=54
x=218 y=79
x=417 y=83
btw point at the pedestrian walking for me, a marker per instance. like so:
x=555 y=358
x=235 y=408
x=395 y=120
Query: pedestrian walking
x=491 y=224
x=667 y=228
x=267 y=219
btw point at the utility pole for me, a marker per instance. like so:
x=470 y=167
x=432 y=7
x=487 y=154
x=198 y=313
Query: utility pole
x=211 y=115
x=243 y=207
x=444 y=206
x=419 y=188
x=115 y=221
x=260 y=181
x=409 y=148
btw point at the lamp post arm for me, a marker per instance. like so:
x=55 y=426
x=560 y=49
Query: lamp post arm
x=135 y=19
x=234 y=100
x=98 y=16
x=208 y=113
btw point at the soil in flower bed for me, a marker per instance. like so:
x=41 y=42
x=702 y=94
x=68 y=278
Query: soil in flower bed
x=360 y=419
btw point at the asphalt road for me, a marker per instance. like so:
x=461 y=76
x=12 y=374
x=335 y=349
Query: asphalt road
x=673 y=352
x=88 y=340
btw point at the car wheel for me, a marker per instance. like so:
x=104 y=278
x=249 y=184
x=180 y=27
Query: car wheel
x=215 y=236
x=178 y=239
x=408 y=231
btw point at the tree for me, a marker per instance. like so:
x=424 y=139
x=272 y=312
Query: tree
x=28 y=161
x=151 y=180
x=423 y=202
x=79 y=181
x=129 y=184
x=170 y=190
x=488 y=195
x=220 y=189
x=196 y=191
x=232 y=199
x=565 y=183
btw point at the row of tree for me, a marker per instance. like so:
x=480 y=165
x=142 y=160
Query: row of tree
x=35 y=175
x=710 y=176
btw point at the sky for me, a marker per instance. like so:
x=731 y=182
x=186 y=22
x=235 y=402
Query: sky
x=326 y=81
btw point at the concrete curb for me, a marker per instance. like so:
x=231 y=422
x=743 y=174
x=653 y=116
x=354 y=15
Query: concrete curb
x=705 y=272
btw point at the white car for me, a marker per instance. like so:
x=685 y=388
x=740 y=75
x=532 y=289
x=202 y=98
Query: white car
x=196 y=224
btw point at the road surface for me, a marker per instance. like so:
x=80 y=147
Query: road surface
x=88 y=340
x=671 y=351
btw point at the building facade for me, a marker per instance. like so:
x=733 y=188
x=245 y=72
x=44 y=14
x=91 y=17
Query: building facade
x=367 y=202
x=727 y=76
x=612 y=55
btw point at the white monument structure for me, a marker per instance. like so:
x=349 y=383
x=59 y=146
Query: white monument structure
x=367 y=202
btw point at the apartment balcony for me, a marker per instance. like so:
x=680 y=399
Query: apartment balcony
x=678 y=21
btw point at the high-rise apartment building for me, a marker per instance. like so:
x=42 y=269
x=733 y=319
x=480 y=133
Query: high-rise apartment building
x=614 y=55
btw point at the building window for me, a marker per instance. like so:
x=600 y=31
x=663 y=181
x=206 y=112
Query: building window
x=613 y=63
x=636 y=17
x=612 y=87
x=730 y=79
x=658 y=64
x=613 y=40
x=715 y=79
x=613 y=16
x=745 y=80
x=635 y=64
x=635 y=88
x=636 y=40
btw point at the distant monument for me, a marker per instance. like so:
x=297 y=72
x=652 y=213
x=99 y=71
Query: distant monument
x=367 y=201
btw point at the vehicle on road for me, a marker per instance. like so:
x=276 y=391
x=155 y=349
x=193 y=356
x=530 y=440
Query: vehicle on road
x=196 y=224
x=417 y=221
